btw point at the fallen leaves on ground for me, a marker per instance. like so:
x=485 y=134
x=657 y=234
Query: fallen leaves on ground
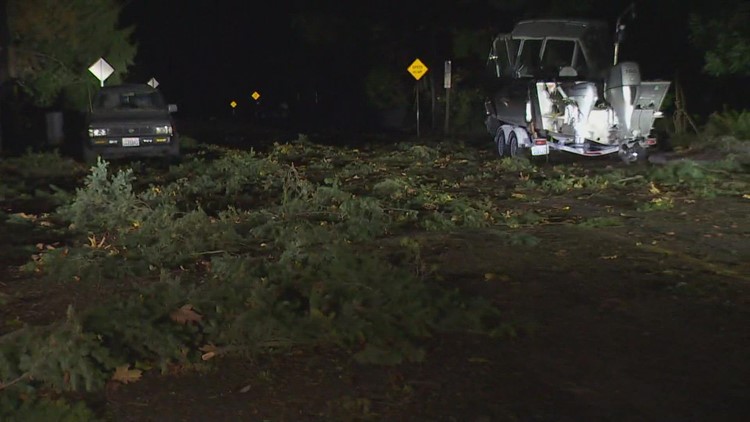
x=126 y=375
x=185 y=314
x=209 y=351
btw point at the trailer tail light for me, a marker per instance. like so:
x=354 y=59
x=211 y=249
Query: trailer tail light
x=540 y=147
x=651 y=141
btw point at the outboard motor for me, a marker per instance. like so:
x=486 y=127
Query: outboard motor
x=622 y=86
x=584 y=97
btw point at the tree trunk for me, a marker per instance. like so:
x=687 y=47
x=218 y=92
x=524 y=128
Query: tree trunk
x=433 y=102
x=4 y=59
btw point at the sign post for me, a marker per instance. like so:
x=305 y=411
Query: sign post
x=233 y=104
x=256 y=97
x=102 y=70
x=447 y=86
x=417 y=70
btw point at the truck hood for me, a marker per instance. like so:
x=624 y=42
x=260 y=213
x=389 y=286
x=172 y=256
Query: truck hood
x=129 y=117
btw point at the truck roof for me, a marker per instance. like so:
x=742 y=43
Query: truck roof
x=124 y=87
x=557 y=28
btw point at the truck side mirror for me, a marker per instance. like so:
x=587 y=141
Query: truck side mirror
x=172 y=108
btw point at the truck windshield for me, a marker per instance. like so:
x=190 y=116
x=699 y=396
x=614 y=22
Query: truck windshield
x=128 y=100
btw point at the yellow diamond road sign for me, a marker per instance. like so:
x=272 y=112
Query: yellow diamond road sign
x=417 y=69
x=255 y=95
x=233 y=104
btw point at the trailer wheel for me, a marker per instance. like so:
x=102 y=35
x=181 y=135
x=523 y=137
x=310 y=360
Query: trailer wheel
x=512 y=145
x=500 y=141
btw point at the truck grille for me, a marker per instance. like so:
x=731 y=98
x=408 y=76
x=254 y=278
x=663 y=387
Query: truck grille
x=131 y=131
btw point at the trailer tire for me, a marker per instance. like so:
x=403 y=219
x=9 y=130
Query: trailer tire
x=500 y=144
x=512 y=148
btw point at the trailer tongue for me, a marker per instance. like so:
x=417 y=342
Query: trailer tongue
x=555 y=89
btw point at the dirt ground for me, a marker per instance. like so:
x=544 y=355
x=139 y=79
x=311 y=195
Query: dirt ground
x=604 y=330
x=645 y=321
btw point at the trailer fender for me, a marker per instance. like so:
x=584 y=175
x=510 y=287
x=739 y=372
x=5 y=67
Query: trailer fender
x=524 y=140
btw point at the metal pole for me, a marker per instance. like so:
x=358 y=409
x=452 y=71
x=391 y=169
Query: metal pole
x=620 y=28
x=447 y=109
x=447 y=85
x=617 y=50
x=417 y=85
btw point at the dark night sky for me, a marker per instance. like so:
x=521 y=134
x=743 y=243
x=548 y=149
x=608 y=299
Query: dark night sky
x=208 y=52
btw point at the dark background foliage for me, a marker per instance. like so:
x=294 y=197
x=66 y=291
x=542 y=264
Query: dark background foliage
x=333 y=63
x=206 y=53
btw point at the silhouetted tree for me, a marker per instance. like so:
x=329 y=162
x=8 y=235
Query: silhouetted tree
x=725 y=38
x=54 y=42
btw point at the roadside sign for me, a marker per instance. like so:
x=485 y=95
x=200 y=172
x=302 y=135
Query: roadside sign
x=255 y=95
x=102 y=70
x=417 y=69
x=153 y=82
x=233 y=104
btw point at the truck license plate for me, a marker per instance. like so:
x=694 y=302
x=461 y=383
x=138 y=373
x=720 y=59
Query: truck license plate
x=131 y=142
x=539 y=149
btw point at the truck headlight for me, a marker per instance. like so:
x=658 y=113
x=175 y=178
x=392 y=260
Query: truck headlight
x=94 y=132
x=163 y=130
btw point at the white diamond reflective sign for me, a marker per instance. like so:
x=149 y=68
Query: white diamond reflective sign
x=102 y=70
x=153 y=82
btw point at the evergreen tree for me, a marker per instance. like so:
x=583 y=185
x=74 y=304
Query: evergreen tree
x=725 y=39
x=54 y=42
